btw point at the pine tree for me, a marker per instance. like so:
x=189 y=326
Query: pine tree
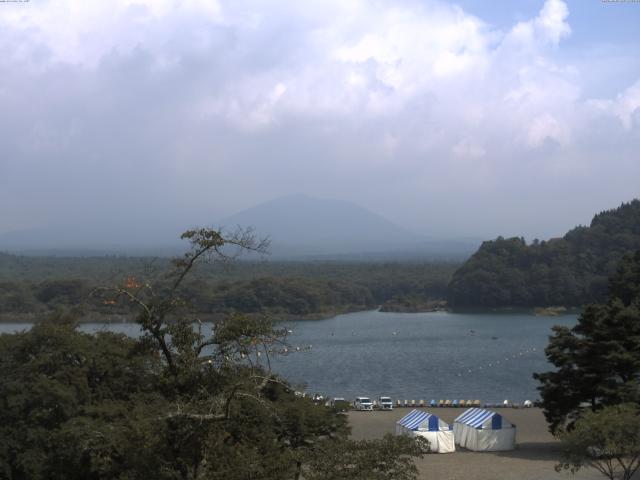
x=598 y=360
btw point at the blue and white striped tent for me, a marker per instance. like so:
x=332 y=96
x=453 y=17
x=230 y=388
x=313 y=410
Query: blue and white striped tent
x=478 y=417
x=421 y=420
x=423 y=424
x=484 y=430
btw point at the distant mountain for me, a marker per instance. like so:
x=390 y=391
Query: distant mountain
x=570 y=271
x=300 y=225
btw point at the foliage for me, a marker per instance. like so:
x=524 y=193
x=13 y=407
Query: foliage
x=181 y=402
x=37 y=285
x=568 y=271
x=607 y=440
x=68 y=397
x=598 y=360
x=276 y=296
x=389 y=458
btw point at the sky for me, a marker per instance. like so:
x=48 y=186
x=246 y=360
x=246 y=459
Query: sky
x=452 y=119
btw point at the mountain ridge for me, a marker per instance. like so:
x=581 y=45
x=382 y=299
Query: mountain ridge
x=301 y=227
x=308 y=221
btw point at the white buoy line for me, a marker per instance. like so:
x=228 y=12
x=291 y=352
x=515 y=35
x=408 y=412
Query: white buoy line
x=507 y=358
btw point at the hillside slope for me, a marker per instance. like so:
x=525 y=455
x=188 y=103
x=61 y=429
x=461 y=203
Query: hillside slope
x=570 y=271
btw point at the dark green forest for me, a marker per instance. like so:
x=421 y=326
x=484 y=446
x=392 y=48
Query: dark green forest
x=33 y=286
x=174 y=404
x=597 y=360
x=569 y=271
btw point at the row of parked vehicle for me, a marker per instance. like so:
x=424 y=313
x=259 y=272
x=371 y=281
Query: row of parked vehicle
x=385 y=403
x=363 y=404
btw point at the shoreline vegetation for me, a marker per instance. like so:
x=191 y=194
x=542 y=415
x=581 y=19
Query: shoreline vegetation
x=436 y=306
x=541 y=278
x=35 y=288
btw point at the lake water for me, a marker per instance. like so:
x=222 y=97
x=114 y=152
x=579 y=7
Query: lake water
x=436 y=355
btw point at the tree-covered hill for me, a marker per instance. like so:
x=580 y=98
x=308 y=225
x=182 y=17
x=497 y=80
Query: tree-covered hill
x=570 y=271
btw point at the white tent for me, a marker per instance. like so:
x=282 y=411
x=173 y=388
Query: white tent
x=423 y=424
x=484 y=431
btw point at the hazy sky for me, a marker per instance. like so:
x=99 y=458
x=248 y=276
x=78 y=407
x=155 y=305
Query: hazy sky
x=469 y=118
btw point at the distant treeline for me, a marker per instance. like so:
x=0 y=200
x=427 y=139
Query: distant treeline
x=32 y=286
x=569 y=271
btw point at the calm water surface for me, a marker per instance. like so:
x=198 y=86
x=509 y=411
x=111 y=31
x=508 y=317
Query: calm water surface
x=436 y=355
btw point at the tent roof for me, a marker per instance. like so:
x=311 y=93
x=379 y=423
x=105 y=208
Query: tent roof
x=415 y=418
x=476 y=417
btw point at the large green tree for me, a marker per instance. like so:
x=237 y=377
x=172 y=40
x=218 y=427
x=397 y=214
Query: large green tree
x=597 y=360
x=70 y=402
x=186 y=400
x=607 y=440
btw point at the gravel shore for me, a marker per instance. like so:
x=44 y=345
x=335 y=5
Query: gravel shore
x=534 y=458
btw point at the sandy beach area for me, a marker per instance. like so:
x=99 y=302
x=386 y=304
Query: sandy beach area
x=533 y=459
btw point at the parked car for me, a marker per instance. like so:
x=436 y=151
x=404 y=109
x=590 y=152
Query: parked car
x=385 y=403
x=363 y=403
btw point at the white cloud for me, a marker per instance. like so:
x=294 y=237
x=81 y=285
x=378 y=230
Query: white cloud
x=625 y=106
x=467 y=149
x=431 y=66
x=81 y=33
x=546 y=127
x=383 y=90
x=552 y=21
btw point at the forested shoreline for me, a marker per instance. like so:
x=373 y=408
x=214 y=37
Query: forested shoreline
x=570 y=272
x=31 y=287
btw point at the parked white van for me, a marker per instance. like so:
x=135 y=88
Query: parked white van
x=363 y=403
x=385 y=403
